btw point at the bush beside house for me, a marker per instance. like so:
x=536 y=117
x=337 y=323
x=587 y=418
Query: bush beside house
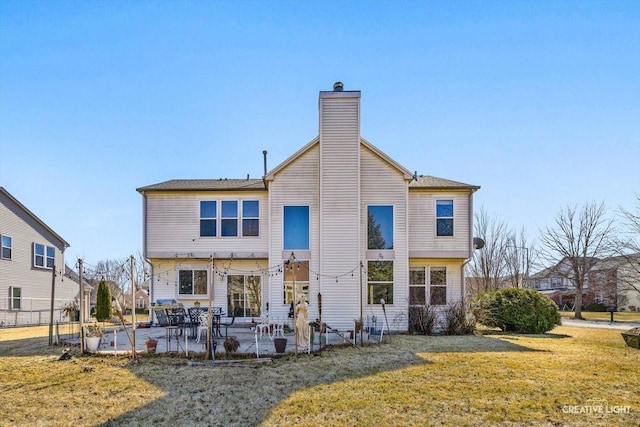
x=516 y=310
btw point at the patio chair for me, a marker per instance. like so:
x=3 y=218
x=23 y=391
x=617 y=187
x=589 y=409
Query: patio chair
x=194 y=319
x=203 y=323
x=263 y=325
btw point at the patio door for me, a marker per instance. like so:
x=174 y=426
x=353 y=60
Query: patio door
x=244 y=296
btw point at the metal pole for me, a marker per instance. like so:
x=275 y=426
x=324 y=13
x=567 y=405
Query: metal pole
x=292 y=259
x=133 y=307
x=210 y=350
x=82 y=314
x=53 y=292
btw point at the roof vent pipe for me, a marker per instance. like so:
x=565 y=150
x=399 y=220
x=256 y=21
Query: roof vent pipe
x=338 y=86
x=264 y=154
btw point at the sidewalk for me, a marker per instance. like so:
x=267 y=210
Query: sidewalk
x=599 y=324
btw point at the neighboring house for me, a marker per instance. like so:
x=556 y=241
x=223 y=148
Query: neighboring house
x=612 y=282
x=339 y=221
x=29 y=252
x=615 y=282
x=141 y=298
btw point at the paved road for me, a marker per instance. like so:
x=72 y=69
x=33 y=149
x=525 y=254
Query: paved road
x=600 y=324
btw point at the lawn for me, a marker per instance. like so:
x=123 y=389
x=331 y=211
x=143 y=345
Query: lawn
x=490 y=379
x=618 y=316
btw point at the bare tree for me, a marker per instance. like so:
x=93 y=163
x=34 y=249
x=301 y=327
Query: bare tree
x=519 y=256
x=578 y=238
x=489 y=264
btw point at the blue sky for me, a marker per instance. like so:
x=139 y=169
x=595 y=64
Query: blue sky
x=538 y=102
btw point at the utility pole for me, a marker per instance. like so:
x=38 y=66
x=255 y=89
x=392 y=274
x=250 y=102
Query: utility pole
x=81 y=319
x=53 y=293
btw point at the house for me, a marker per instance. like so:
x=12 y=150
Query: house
x=615 y=282
x=30 y=252
x=612 y=282
x=338 y=221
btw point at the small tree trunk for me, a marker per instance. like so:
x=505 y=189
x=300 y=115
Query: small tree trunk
x=577 y=308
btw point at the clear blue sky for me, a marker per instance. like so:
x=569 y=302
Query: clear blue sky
x=538 y=102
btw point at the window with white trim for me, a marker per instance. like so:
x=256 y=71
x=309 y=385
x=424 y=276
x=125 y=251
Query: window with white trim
x=7 y=247
x=379 y=282
x=417 y=286
x=208 y=218
x=438 y=285
x=192 y=282
x=444 y=217
x=250 y=218
x=229 y=218
x=15 y=298
x=43 y=256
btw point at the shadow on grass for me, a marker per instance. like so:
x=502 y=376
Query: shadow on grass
x=243 y=394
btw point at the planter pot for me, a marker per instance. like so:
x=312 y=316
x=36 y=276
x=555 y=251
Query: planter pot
x=151 y=345
x=280 y=344
x=93 y=343
x=632 y=337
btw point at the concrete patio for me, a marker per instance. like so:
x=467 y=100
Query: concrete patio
x=116 y=341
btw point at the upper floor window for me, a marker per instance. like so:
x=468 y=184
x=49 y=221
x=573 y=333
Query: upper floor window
x=444 y=217
x=6 y=247
x=379 y=282
x=208 y=216
x=229 y=221
x=380 y=227
x=250 y=218
x=43 y=256
x=296 y=228
x=192 y=282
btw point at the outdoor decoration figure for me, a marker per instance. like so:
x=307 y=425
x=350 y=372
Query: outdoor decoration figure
x=302 y=326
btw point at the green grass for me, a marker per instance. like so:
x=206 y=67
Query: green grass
x=491 y=379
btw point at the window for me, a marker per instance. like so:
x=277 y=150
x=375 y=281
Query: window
x=380 y=227
x=15 y=298
x=417 y=286
x=296 y=227
x=379 y=282
x=43 y=256
x=438 y=285
x=244 y=296
x=599 y=297
x=229 y=222
x=250 y=218
x=208 y=215
x=444 y=217
x=6 y=247
x=192 y=282
x=297 y=271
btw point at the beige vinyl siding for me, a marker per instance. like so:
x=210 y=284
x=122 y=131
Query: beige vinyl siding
x=340 y=207
x=173 y=226
x=35 y=282
x=295 y=185
x=384 y=185
x=423 y=241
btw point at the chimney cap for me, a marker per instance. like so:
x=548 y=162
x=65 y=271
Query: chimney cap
x=338 y=86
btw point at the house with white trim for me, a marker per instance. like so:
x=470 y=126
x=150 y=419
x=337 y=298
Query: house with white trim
x=29 y=251
x=338 y=221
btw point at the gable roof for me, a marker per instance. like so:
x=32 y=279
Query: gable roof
x=435 y=183
x=204 y=184
x=33 y=216
x=404 y=171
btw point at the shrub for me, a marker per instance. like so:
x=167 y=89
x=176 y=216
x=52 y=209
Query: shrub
x=422 y=319
x=595 y=306
x=103 y=302
x=458 y=321
x=516 y=310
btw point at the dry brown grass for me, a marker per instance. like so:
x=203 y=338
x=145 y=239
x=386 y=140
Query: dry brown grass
x=473 y=380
